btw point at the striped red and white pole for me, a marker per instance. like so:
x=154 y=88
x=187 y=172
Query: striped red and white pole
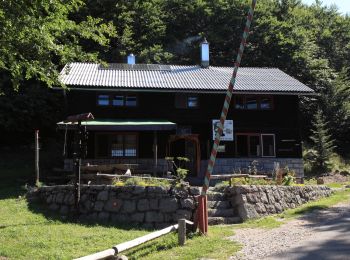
x=227 y=101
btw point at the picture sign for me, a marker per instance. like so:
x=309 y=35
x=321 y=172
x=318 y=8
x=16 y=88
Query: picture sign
x=227 y=133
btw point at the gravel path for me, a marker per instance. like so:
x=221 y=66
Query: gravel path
x=262 y=243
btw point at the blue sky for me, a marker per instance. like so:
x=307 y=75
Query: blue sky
x=343 y=5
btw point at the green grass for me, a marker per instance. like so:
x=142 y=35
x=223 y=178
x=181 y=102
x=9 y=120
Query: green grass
x=215 y=245
x=29 y=231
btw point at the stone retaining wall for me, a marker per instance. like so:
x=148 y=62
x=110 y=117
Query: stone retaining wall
x=250 y=201
x=149 y=207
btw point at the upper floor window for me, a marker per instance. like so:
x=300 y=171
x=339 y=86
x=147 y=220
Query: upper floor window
x=117 y=100
x=186 y=101
x=103 y=100
x=130 y=101
x=253 y=102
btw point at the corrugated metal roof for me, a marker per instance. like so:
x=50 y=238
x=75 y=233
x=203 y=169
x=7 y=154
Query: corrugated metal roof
x=193 y=78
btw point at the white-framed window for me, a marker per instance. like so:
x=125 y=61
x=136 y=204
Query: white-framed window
x=192 y=102
x=255 y=145
x=118 y=101
x=103 y=100
x=116 y=145
x=268 y=145
x=186 y=100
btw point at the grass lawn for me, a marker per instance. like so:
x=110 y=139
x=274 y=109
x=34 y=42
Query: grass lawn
x=28 y=231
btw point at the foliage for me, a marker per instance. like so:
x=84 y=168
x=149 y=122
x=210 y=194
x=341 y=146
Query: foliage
x=39 y=37
x=253 y=167
x=250 y=181
x=311 y=43
x=136 y=181
x=289 y=178
x=322 y=144
x=180 y=170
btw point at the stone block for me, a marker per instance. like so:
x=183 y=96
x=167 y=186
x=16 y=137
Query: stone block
x=138 y=217
x=153 y=204
x=154 y=216
x=251 y=198
x=168 y=205
x=64 y=210
x=247 y=211
x=143 y=205
x=59 y=197
x=139 y=190
x=98 y=206
x=260 y=208
x=102 y=195
x=103 y=216
x=156 y=189
x=187 y=203
x=195 y=190
x=69 y=199
x=113 y=205
x=120 y=218
x=129 y=206
x=278 y=208
x=49 y=199
x=54 y=206
x=270 y=209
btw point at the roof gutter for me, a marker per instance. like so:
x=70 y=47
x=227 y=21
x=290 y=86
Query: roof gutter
x=189 y=91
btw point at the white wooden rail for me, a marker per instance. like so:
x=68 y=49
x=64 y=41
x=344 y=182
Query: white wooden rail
x=140 y=240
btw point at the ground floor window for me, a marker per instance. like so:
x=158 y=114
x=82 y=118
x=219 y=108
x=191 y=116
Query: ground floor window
x=255 y=145
x=116 y=145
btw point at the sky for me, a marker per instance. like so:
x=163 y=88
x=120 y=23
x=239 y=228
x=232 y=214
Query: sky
x=343 y=5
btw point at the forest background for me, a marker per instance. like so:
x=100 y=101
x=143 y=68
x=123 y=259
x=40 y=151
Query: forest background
x=310 y=43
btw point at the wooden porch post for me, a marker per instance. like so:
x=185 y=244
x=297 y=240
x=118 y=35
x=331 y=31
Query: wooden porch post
x=155 y=151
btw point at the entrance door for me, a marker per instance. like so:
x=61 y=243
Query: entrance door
x=190 y=153
x=186 y=146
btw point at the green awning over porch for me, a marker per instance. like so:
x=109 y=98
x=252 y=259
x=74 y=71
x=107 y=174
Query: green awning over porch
x=122 y=125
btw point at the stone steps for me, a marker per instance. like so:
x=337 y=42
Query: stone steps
x=219 y=204
x=220 y=213
x=216 y=196
x=223 y=220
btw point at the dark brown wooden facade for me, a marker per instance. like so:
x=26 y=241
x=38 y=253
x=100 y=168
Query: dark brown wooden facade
x=281 y=121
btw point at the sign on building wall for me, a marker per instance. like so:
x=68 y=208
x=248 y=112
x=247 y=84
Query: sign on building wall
x=227 y=134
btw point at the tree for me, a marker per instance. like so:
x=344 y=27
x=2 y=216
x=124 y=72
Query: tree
x=39 y=37
x=322 y=142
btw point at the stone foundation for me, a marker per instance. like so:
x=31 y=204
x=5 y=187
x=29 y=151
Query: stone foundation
x=250 y=201
x=149 y=207
x=265 y=165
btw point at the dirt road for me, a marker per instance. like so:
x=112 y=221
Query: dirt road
x=323 y=234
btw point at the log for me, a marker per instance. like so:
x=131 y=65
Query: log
x=99 y=255
x=138 y=241
x=130 y=244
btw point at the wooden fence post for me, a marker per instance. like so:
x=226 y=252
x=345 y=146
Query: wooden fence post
x=36 y=148
x=182 y=231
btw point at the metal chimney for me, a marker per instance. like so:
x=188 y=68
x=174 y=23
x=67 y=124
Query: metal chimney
x=205 y=54
x=131 y=59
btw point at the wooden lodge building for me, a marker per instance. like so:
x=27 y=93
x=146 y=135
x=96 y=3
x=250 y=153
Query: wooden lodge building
x=145 y=112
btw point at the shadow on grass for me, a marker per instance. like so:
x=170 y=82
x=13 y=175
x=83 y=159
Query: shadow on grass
x=309 y=209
